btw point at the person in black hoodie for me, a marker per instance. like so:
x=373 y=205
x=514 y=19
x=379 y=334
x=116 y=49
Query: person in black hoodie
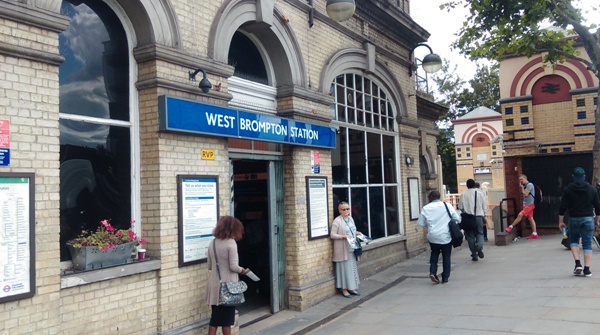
x=581 y=200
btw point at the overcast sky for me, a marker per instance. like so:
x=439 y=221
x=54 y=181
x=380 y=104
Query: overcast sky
x=443 y=26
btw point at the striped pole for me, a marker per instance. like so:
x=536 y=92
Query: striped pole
x=231 y=191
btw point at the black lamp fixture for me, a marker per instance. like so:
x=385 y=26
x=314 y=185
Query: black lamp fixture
x=431 y=63
x=204 y=85
x=337 y=10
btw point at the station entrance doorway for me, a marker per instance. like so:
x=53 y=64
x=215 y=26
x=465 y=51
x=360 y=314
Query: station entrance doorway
x=258 y=203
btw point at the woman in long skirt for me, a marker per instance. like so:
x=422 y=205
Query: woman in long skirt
x=344 y=236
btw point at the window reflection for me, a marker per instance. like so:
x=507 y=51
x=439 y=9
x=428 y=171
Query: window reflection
x=95 y=148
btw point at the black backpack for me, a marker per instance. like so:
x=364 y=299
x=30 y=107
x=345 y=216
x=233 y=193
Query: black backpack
x=539 y=196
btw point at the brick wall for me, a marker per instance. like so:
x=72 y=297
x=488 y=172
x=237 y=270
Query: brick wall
x=171 y=298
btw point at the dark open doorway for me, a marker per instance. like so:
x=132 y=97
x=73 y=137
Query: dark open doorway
x=250 y=187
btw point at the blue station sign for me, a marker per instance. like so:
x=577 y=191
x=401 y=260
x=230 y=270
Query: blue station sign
x=186 y=116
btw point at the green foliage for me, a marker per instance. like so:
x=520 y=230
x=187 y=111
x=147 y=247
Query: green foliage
x=495 y=29
x=105 y=237
x=100 y=238
x=445 y=147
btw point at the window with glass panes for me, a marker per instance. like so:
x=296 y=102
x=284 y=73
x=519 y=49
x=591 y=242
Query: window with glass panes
x=95 y=122
x=364 y=161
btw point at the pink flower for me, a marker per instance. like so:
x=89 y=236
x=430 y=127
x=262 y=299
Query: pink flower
x=132 y=236
x=142 y=241
x=107 y=225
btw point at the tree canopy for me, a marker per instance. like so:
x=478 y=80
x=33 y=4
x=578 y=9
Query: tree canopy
x=495 y=29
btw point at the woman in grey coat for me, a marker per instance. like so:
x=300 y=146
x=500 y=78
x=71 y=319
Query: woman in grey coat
x=226 y=233
x=344 y=236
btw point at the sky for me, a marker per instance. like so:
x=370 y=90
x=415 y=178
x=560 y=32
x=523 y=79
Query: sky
x=443 y=26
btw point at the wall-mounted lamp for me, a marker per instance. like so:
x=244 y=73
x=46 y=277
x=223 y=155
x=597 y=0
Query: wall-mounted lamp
x=409 y=160
x=340 y=10
x=204 y=85
x=431 y=63
x=337 y=10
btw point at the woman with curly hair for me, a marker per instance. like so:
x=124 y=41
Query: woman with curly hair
x=226 y=233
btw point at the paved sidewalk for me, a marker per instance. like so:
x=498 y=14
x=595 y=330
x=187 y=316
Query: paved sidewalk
x=526 y=287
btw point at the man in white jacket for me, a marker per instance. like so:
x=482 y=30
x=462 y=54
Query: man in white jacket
x=435 y=217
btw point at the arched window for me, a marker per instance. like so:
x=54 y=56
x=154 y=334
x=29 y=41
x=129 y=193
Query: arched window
x=364 y=162
x=95 y=121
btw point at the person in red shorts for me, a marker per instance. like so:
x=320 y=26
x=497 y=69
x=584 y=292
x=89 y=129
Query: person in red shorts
x=528 y=206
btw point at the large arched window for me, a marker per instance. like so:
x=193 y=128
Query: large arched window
x=95 y=121
x=364 y=162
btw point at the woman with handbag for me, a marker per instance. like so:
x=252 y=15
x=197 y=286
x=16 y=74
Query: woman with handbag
x=345 y=241
x=226 y=233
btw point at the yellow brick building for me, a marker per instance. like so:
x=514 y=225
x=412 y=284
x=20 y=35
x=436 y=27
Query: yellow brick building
x=478 y=141
x=106 y=113
x=548 y=120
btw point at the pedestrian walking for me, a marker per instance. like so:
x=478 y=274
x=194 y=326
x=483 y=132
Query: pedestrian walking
x=478 y=187
x=226 y=233
x=581 y=200
x=434 y=216
x=473 y=202
x=528 y=206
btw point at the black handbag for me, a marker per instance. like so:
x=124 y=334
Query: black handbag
x=455 y=233
x=230 y=293
x=358 y=250
x=469 y=221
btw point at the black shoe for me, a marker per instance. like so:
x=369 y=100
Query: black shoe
x=587 y=272
x=474 y=258
x=480 y=253
x=578 y=270
x=444 y=281
x=434 y=278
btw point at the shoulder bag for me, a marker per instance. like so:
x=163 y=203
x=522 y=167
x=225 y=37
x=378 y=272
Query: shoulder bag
x=358 y=248
x=230 y=293
x=455 y=233
x=469 y=221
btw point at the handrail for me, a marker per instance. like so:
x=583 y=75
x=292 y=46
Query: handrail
x=502 y=217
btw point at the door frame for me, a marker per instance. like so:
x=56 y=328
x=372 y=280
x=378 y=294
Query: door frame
x=276 y=223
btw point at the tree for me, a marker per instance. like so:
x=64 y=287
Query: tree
x=482 y=90
x=495 y=29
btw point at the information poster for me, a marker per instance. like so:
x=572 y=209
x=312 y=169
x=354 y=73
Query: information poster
x=198 y=215
x=17 y=252
x=413 y=197
x=318 y=207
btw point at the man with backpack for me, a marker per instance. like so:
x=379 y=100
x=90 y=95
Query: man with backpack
x=528 y=205
x=581 y=200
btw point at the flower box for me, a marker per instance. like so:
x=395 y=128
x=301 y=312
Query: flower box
x=90 y=257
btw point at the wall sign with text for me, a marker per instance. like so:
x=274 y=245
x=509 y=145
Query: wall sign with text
x=185 y=116
x=317 y=207
x=198 y=212
x=17 y=236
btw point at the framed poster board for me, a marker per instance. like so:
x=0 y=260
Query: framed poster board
x=317 y=207
x=198 y=213
x=413 y=198
x=17 y=240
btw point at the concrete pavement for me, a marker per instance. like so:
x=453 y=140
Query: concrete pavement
x=526 y=287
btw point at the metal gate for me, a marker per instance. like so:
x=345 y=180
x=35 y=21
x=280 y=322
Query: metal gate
x=552 y=174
